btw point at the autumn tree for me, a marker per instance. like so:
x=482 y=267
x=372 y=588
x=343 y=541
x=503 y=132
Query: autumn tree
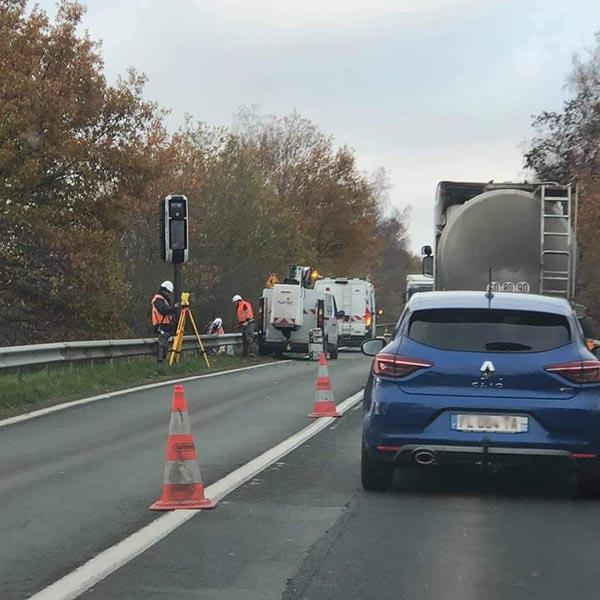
x=72 y=155
x=565 y=147
x=332 y=201
x=84 y=164
x=269 y=192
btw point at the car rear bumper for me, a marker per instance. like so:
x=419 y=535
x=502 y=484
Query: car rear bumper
x=484 y=455
x=556 y=429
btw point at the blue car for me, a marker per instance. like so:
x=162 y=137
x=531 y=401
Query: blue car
x=498 y=381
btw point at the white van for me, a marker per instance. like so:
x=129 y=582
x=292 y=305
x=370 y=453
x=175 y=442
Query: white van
x=416 y=282
x=289 y=312
x=355 y=298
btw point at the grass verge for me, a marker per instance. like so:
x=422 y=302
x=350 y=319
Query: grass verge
x=39 y=389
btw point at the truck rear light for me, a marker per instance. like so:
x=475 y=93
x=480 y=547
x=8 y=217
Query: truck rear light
x=394 y=365
x=368 y=318
x=321 y=314
x=579 y=371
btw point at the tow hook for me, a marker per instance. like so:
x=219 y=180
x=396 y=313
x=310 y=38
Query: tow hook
x=485 y=455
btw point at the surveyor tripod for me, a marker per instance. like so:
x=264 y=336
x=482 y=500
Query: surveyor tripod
x=184 y=314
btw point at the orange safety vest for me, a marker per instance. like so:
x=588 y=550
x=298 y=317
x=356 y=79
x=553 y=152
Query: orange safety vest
x=157 y=317
x=244 y=312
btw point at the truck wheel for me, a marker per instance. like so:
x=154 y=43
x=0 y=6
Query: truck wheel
x=333 y=351
x=375 y=475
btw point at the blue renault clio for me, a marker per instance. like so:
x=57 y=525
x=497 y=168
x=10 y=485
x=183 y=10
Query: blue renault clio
x=495 y=380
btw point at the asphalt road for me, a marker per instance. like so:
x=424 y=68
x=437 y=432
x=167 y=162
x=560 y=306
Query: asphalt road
x=75 y=482
x=304 y=530
x=79 y=481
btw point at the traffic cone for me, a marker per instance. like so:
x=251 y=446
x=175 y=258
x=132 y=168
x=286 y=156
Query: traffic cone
x=182 y=484
x=324 y=402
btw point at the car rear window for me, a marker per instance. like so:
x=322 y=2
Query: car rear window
x=484 y=330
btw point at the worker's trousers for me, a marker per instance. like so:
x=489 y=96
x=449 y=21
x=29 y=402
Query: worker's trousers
x=162 y=343
x=248 y=329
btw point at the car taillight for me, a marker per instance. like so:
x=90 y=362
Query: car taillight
x=579 y=371
x=394 y=365
x=368 y=318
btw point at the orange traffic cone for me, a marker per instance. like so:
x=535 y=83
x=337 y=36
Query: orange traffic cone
x=182 y=484
x=324 y=402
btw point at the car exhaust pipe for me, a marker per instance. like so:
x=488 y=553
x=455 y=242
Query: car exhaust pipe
x=425 y=457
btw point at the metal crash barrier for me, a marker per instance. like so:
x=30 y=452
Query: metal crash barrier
x=16 y=357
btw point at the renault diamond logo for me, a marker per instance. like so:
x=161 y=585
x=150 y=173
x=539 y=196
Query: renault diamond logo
x=487 y=368
x=488 y=379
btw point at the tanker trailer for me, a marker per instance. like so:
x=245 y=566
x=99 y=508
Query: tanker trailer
x=524 y=233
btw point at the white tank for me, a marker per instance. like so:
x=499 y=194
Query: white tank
x=499 y=229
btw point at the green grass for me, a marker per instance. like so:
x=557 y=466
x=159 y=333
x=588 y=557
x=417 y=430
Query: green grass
x=38 y=389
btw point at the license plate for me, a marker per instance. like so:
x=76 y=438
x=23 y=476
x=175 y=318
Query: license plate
x=489 y=423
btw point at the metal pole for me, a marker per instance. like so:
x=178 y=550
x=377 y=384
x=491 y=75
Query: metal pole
x=177 y=280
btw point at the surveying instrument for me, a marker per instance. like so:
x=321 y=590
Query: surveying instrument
x=184 y=314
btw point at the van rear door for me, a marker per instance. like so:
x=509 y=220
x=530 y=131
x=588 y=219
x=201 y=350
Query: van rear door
x=361 y=315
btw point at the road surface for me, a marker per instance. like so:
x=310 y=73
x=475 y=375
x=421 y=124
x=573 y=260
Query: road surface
x=75 y=482
x=302 y=529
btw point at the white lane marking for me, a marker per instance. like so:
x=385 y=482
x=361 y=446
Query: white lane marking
x=56 y=407
x=96 y=569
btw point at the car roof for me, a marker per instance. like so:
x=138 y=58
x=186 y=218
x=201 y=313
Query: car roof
x=499 y=300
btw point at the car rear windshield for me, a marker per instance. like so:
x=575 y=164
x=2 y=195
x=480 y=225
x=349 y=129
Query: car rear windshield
x=484 y=330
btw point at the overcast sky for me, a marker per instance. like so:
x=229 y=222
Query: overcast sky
x=428 y=89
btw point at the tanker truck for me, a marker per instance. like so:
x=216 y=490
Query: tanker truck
x=507 y=237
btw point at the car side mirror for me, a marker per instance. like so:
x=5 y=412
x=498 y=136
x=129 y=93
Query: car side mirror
x=340 y=314
x=373 y=347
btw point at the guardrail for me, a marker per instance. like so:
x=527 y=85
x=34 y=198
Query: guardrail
x=17 y=357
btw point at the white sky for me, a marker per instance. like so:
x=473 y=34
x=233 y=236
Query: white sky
x=428 y=89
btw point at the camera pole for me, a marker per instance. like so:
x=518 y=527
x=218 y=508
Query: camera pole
x=177 y=280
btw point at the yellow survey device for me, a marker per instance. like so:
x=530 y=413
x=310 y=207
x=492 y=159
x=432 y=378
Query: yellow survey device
x=185 y=299
x=185 y=313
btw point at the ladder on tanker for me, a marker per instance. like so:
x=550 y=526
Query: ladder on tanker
x=558 y=222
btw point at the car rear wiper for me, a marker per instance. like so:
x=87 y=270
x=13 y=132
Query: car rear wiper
x=506 y=346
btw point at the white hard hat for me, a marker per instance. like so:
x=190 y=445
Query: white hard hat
x=167 y=285
x=236 y=298
x=218 y=322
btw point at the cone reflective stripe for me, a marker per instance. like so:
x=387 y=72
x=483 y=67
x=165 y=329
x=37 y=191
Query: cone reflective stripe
x=324 y=401
x=182 y=483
